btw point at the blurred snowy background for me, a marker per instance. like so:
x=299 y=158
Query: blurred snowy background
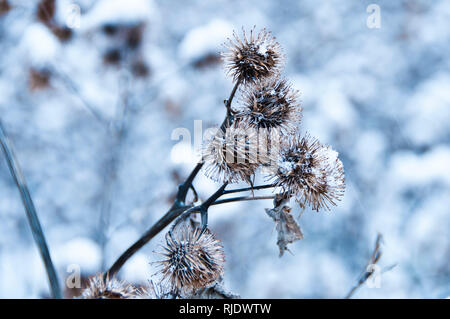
x=91 y=104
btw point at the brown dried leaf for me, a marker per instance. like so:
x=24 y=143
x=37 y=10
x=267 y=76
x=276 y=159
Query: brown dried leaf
x=288 y=229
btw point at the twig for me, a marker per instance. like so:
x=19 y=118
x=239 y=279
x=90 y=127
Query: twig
x=239 y=190
x=365 y=275
x=202 y=209
x=72 y=86
x=177 y=208
x=32 y=216
x=230 y=99
x=146 y=237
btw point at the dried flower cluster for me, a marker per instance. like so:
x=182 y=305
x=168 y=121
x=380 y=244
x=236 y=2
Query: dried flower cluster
x=100 y=287
x=253 y=58
x=270 y=104
x=301 y=166
x=263 y=132
x=191 y=261
x=231 y=155
x=311 y=172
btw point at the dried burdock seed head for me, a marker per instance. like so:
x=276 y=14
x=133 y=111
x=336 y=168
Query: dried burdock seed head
x=270 y=104
x=190 y=262
x=311 y=172
x=256 y=57
x=232 y=155
x=109 y=288
x=155 y=291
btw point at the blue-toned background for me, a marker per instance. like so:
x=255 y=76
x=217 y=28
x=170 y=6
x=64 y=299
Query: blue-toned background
x=91 y=109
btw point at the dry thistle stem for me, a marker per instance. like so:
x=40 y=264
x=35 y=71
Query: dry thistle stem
x=253 y=58
x=232 y=155
x=191 y=262
x=288 y=229
x=270 y=104
x=311 y=172
x=111 y=288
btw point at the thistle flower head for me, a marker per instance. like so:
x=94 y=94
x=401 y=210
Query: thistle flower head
x=109 y=288
x=256 y=57
x=271 y=104
x=311 y=172
x=232 y=155
x=191 y=262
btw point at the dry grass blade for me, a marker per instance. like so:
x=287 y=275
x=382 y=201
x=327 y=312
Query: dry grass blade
x=32 y=216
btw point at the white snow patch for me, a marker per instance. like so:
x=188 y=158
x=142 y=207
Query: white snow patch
x=428 y=111
x=137 y=269
x=408 y=168
x=80 y=251
x=204 y=40
x=39 y=44
x=118 y=11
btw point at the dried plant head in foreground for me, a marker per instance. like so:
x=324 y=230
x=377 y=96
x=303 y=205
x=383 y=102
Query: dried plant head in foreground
x=191 y=262
x=311 y=172
x=270 y=104
x=111 y=288
x=232 y=155
x=256 y=57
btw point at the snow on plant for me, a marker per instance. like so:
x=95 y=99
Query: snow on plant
x=262 y=131
x=259 y=135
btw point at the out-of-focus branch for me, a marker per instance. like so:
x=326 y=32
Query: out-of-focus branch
x=373 y=260
x=32 y=216
x=73 y=87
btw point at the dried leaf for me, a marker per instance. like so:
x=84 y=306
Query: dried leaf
x=288 y=229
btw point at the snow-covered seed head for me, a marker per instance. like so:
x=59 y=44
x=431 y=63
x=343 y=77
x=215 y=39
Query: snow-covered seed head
x=271 y=104
x=311 y=172
x=109 y=288
x=191 y=262
x=232 y=155
x=256 y=57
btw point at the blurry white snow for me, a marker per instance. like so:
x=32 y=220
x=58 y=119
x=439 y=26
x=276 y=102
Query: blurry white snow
x=204 y=40
x=368 y=153
x=428 y=111
x=138 y=269
x=336 y=107
x=22 y=273
x=183 y=153
x=118 y=11
x=51 y=115
x=409 y=169
x=79 y=251
x=39 y=44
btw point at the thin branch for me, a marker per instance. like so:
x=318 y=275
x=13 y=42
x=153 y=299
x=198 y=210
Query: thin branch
x=239 y=190
x=146 y=237
x=373 y=260
x=32 y=216
x=202 y=209
x=230 y=99
x=184 y=187
x=73 y=87
x=177 y=208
